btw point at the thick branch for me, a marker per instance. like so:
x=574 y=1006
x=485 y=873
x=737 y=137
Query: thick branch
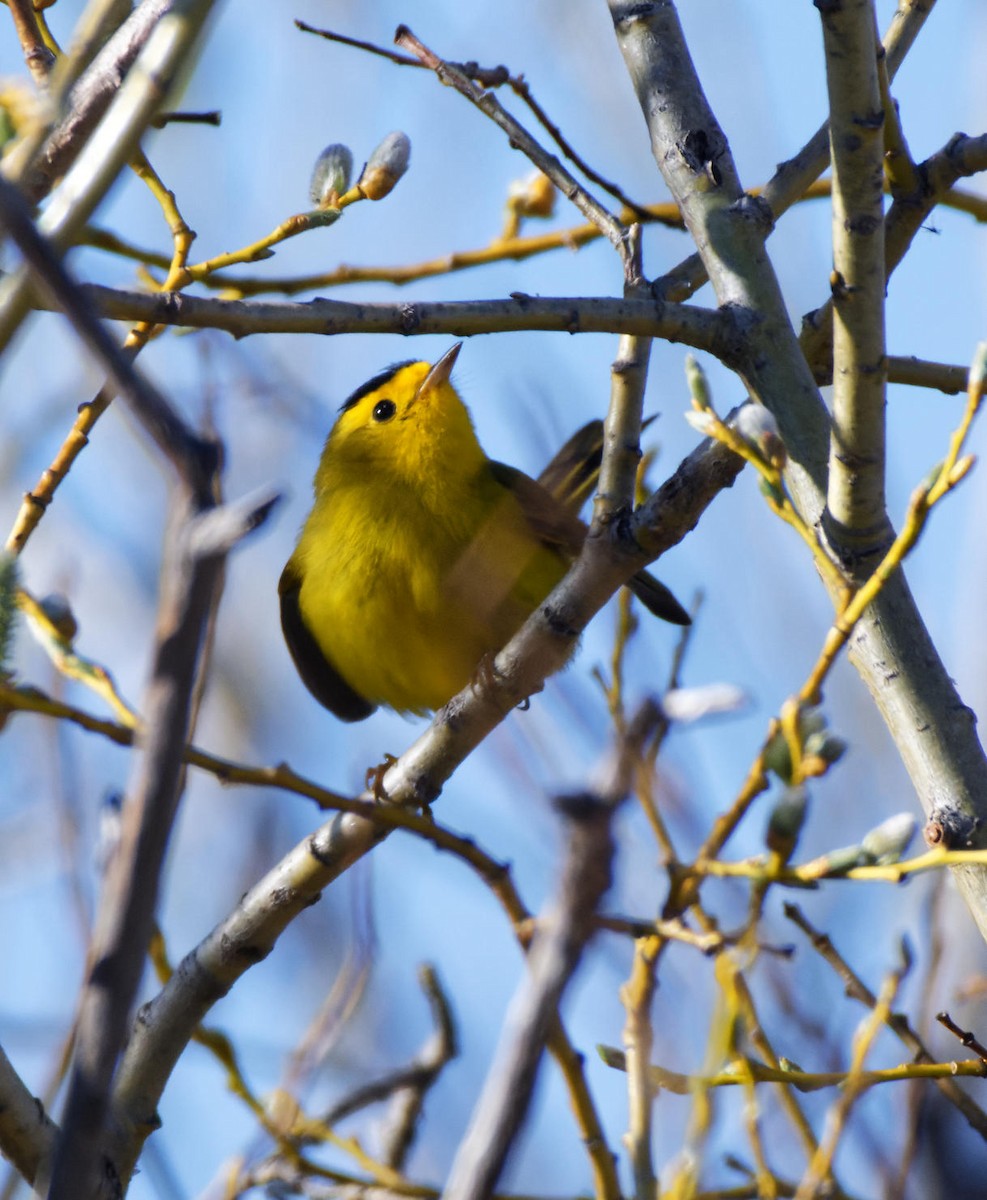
x=701 y=328
x=543 y=644
x=562 y=934
x=961 y=157
x=856 y=517
x=89 y=100
x=729 y=228
x=27 y=1133
x=934 y=731
x=112 y=145
x=797 y=174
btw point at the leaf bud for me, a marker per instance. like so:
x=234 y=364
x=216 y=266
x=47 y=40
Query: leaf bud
x=786 y=821
x=385 y=166
x=331 y=175
x=887 y=842
x=759 y=429
x=59 y=612
x=533 y=196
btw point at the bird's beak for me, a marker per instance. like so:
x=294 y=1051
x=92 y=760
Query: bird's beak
x=441 y=371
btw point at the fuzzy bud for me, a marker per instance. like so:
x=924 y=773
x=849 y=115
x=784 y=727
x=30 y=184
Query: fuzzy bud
x=821 y=751
x=385 y=166
x=533 y=196
x=759 y=429
x=701 y=422
x=59 y=612
x=888 y=841
x=8 y=605
x=331 y=175
x=695 y=377
x=786 y=821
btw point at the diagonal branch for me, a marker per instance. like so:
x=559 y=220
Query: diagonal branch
x=112 y=145
x=27 y=1134
x=547 y=163
x=560 y=939
x=934 y=731
x=251 y=931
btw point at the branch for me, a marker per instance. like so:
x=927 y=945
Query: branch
x=193 y=458
x=38 y=57
x=251 y=931
x=201 y=535
x=961 y=157
x=560 y=939
x=562 y=933
x=704 y=329
x=622 y=431
x=728 y=227
x=87 y=102
x=934 y=731
x=897 y=1022
x=111 y=147
x=490 y=77
x=27 y=1134
x=191 y=579
x=856 y=521
x=548 y=164
x=796 y=175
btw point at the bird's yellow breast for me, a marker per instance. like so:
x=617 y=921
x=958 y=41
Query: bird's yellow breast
x=404 y=598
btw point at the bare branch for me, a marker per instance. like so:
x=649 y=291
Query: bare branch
x=856 y=520
x=38 y=57
x=88 y=100
x=704 y=329
x=548 y=164
x=27 y=1134
x=193 y=458
x=555 y=953
x=891 y=648
x=250 y=932
x=112 y=146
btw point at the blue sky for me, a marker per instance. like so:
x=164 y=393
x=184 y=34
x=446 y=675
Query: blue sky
x=284 y=96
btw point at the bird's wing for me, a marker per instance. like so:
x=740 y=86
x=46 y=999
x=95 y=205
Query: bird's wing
x=557 y=526
x=573 y=471
x=550 y=520
x=318 y=674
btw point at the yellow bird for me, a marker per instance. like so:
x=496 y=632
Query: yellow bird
x=421 y=555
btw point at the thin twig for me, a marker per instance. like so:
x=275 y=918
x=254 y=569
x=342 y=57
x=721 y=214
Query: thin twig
x=965 y=1036
x=489 y=77
x=854 y=1086
x=898 y=1023
x=547 y=163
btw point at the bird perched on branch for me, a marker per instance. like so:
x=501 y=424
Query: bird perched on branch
x=421 y=555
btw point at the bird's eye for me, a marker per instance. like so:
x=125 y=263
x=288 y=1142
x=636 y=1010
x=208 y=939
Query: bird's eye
x=384 y=410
